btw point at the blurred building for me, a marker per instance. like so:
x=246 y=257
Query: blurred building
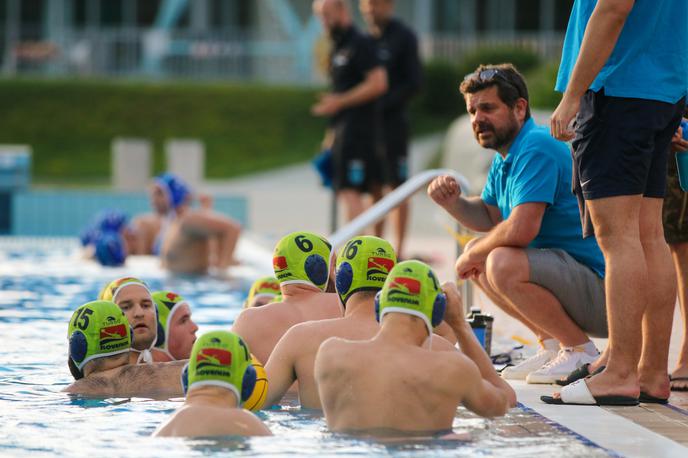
x=264 y=40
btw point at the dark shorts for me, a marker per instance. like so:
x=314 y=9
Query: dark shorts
x=622 y=144
x=578 y=288
x=357 y=157
x=675 y=208
x=396 y=135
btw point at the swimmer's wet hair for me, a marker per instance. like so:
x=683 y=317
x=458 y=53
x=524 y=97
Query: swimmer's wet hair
x=511 y=85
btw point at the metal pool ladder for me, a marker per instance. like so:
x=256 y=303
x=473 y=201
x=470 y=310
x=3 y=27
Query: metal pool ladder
x=392 y=200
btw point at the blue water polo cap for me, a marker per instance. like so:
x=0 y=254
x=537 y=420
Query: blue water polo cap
x=109 y=248
x=176 y=190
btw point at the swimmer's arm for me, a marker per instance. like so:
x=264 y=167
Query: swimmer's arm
x=159 y=379
x=212 y=224
x=469 y=343
x=93 y=385
x=280 y=368
x=445 y=331
x=479 y=395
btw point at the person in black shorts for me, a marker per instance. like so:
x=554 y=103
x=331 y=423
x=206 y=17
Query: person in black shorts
x=358 y=80
x=397 y=49
x=623 y=75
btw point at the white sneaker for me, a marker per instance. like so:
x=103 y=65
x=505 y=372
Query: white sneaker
x=567 y=360
x=535 y=362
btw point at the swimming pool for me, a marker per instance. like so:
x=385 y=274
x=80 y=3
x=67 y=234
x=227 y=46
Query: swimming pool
x=43 y=280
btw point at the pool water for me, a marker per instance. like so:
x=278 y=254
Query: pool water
x=42 y=281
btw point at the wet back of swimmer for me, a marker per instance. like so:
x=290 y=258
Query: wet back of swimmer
x=363 y=264
x=394 y=381
x=301 y=264
x=217 y=380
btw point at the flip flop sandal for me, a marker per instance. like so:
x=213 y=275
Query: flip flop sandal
x=678 y=379
x=578 y=394
x=577 y=374
x=649 y=399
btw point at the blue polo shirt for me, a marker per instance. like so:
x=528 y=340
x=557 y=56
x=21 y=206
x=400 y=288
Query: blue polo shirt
x=650 y=59
x=537 y=168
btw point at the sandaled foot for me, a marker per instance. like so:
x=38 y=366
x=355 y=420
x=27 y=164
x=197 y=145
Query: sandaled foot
x=678 y=383
x=578 y=393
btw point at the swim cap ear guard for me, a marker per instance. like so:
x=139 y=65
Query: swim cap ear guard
x=438 y=309
x=184 y=378
x=161 y=331
x=248 y=383
x=377 y=306
x=344 y=277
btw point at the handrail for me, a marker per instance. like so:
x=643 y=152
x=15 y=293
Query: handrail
x=390 y=202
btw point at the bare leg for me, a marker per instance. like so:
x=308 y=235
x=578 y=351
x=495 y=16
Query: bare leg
x=508 y=272
x=659 y=313
x=679 y=252
x=617 y=228
x=377 y=194
x=504 y=304
x=353 y=202
x=513 y=312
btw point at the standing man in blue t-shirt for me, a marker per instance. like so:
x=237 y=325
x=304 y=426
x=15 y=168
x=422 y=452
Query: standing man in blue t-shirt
x=533 y=262
x=624 y=74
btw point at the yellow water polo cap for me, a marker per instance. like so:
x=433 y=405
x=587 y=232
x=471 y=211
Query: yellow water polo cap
x=220 y=358
x=302 y=257
x=112 y=289
x=97 y=329
x=167 y=303
x=267 y=287
x=412 y=288
x=363 y=265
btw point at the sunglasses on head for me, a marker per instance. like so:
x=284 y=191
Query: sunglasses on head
x=490 y=74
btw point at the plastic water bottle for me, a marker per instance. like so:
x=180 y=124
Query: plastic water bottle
x=482 y=328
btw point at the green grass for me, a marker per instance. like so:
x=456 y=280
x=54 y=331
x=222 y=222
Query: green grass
x=70 y=124
x=245 y=128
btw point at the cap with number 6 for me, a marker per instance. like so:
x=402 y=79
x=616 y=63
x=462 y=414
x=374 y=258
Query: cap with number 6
x=302 y=257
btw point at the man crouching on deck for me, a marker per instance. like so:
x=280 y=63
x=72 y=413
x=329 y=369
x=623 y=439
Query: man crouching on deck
x=392 y=383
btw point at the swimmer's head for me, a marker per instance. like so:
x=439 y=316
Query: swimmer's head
x=222 y=359
x=176 y=329
x=363 y=265
x=96 y=330
x=302 y=258
x=412 y=288
x=133 y=296
x=263 y=291
x=174 y=193
x=110 y=248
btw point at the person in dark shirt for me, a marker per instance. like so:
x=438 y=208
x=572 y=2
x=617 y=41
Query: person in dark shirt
x=358 y=80
x=397 y=49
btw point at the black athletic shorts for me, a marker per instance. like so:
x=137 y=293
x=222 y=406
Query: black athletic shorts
x=622 y=144
x=357 y=157
x=396 y=134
